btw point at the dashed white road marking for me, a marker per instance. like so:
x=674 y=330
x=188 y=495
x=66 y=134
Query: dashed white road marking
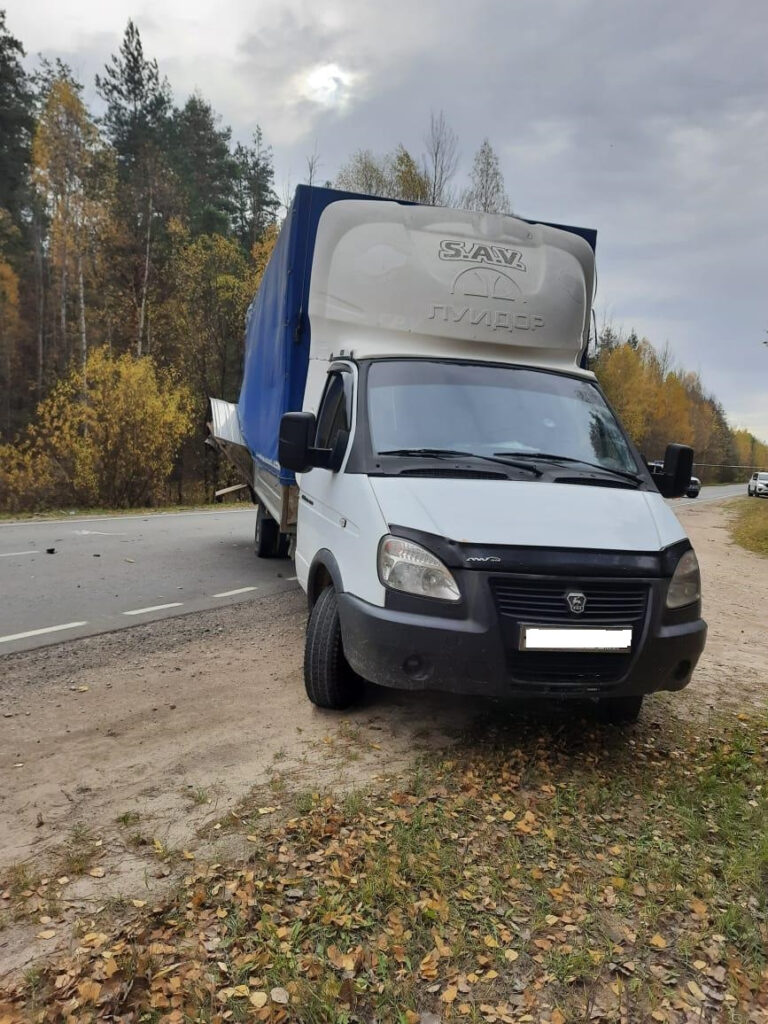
x=131 y=516
x=231 y=593
x=13 y=554
x=154 y=608
x=291 y=579
x=98 y=533
x=39 y=632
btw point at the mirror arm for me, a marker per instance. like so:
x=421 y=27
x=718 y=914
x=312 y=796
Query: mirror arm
x=319 y=458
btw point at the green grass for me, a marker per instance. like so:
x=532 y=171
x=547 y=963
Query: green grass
x=198 y=796
x=128 y=818
x=598 y=873
x=749 y=527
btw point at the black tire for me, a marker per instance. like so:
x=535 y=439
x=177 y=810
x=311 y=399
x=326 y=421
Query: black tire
x=329 y=681
x=619 y=710
x=267 y=535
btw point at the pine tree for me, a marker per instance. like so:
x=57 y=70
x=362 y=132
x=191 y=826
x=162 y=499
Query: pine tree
x=137 y=120
x=16 y=121
x=256 y=203
x=199 y=155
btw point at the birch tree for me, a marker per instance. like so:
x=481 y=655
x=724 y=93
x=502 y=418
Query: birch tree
x=486 y=193
x=67 y=154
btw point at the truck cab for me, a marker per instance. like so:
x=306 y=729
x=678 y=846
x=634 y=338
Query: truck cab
x=472 y=516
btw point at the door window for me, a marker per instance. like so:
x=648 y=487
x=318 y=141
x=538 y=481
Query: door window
x=333 y=416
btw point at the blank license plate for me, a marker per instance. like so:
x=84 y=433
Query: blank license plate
x=541 y=638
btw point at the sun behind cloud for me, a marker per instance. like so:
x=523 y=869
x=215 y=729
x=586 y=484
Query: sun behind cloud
x=328 y=85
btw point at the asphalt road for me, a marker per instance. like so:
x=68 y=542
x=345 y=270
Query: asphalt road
x=111 y=572
x=718 y=493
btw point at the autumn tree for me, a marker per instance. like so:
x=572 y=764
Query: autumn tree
x=115 y=446
x=137 y=123
x=70 y=165
x=486 y=191
x=409 y=181
x=365 y=173
x=394 y=175
x=10 y=328
x=203 y=323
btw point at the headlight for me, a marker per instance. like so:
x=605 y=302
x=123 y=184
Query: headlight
x=409 y=567
x=685 y=585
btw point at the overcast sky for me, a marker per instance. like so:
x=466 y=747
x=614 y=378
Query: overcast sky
x=647 y=121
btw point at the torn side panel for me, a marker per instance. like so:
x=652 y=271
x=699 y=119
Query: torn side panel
x=226 y=437
x=225 y=425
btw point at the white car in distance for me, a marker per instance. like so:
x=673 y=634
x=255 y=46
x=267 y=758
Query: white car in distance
x=758 y=485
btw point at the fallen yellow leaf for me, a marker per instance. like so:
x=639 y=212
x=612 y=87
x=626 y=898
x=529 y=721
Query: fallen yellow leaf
x=258 y=999
x=696 y=992
x=47 y=934
x=658 y=941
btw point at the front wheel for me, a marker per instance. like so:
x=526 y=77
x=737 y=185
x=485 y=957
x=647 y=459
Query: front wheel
x=328 y=678
x=619 y=710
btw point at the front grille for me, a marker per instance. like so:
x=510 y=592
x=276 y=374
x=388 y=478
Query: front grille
x=544 y=601
x=535 y=601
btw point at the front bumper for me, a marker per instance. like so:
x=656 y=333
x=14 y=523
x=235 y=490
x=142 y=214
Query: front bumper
x=479 y=653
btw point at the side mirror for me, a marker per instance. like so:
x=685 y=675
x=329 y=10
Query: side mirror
x=295 y=451
x=675 y=477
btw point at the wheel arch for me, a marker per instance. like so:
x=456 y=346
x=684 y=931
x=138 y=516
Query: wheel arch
x=323 y=572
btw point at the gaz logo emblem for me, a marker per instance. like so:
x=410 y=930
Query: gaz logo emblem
x=577 y=601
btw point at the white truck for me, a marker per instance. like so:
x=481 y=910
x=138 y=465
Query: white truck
x=468 y=513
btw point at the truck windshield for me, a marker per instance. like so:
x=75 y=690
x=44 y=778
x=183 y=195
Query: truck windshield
x=492 y=410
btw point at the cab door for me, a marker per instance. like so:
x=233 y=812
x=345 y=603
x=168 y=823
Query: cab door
x=338 y=512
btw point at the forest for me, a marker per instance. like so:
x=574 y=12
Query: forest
x=132 y=240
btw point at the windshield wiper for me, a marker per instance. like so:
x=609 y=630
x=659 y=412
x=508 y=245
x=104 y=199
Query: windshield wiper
x=449 y=453
x=435 y=452
x=548 y=457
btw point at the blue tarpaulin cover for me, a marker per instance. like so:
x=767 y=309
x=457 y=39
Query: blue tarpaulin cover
x=277 y=333
x=277 y=329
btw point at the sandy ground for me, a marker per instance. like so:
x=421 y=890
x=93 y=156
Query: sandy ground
x=179 y=720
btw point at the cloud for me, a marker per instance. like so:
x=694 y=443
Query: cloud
x=647 y=121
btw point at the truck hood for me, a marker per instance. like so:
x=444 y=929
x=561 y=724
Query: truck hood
x=529 y=514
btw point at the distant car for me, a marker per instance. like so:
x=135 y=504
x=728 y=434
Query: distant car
x=758 y=485
x=693 y=488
